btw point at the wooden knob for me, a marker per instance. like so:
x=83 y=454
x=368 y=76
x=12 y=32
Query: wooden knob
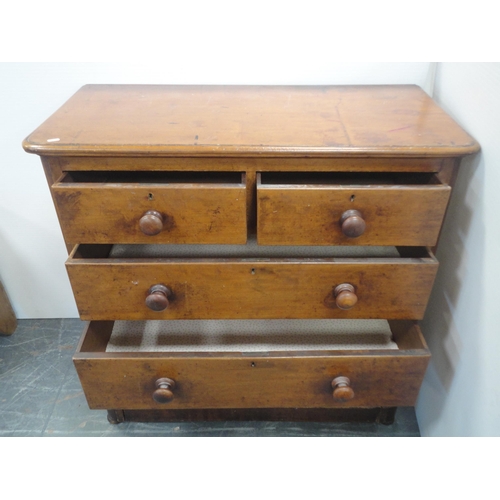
x=342 y=390
x=151 y=223
x=352 y=223
x=157 y=299
x=345 y=296
x=163 y=393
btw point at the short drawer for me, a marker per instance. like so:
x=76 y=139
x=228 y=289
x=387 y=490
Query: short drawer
x=251 y=379
x=141 y=282
x=157 y=207
x=356 y=209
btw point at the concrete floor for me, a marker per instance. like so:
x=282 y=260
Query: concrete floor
x=40 y=395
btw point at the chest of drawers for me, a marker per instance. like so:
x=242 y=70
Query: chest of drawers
x=250 y=252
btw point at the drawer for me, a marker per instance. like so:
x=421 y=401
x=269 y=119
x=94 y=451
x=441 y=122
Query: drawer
x=251 y=379
x=145 y=207
x=356 y=209
x=153 y=282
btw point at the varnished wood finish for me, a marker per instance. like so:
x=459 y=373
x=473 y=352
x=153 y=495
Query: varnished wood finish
x=151 y=223
x=246 y=120
x=109 y=212
x=241 y=288
x=352 y=223
x=253 y=132
x=158 y=297
x=266 y=380
x=342 y=390
x=236 y=164
x=164 y=390
x=293 y=214
x=345 y=296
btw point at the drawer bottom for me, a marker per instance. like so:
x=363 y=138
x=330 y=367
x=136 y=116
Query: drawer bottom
x=349 y=378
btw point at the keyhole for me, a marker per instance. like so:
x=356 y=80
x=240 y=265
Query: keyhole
x=352 y=198
x=150 y=196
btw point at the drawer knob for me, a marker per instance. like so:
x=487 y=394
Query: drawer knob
x=163 y=393
x=342 y=390
x=151 y=223
x=345 y=296
x=157 y=299
x=352 y=223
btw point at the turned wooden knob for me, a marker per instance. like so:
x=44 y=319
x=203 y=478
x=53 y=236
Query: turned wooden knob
x=163 y=393
x=342 y=390
x=352 y=223
x=345 y=296
x=157 y=299
x=151 y=223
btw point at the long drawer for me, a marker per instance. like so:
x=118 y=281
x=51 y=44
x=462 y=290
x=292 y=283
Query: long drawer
x=298 y=379
x=152 y=207
x=109 y=288
x=350 y=209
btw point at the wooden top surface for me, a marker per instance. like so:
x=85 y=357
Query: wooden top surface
x=250 y=121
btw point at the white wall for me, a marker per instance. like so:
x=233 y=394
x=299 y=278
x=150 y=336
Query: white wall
x=461 y=391
x=32 y=252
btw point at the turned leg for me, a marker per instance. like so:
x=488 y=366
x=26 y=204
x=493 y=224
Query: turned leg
x=115 y=416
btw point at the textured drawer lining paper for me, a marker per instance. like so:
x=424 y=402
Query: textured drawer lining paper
x=249 y=335
x=250 y=250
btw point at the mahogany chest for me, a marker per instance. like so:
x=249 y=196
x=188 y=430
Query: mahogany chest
x=251 y=251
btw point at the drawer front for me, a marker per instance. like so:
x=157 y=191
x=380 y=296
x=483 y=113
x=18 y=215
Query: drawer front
x=232 y=380
x=151 y=212
x=404 y=215
x=239 y=289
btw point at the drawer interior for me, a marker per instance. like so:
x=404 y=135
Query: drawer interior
x=244 y=338
x=249 y=251
x=349 y=178
x=150 y=177
x=249 y=336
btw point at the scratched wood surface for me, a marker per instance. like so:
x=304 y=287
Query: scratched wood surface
x=231 y=380
x=110 y=212
x=307 y=214
x=112 y=289
x=247 y=120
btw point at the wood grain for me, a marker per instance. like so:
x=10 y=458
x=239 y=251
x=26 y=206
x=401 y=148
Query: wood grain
x=248 y=120
x=233 y=380
x=293 y=214
x=236 y=164
x=111 y=212
x=250 y=130
x=251 y=288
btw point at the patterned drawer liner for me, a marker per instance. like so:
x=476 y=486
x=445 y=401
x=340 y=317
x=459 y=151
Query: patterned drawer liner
x=249 y=335
x=250 y=250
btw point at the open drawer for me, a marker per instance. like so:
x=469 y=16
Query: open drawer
x=166 y=282
x=152 y=207
x=387 y=373
x=332 y=208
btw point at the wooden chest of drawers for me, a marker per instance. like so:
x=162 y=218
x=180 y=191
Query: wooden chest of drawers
x=243 y=208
